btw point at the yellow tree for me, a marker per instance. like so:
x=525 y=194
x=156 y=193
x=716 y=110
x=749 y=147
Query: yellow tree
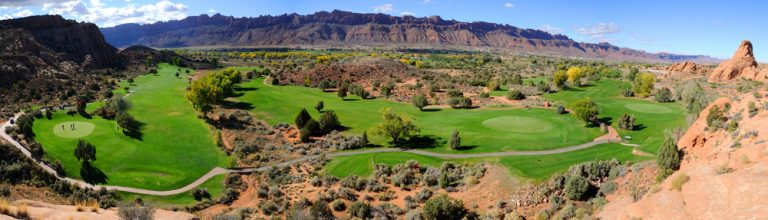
x=644 y=84
x=574 y=76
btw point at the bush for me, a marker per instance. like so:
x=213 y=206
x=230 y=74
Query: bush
x=302 y=118
x=320 y=210
x=627 y=122
x=200 y=194
x=319 y=107
x=586 y=110
x=420 y=101
x=663 y=95
x=455 y=141
x=338 y=205
x=678 y=181
x=360 y=210
x=628 y=93
x=575 y=187
x=561 y=110
x=715 y=118
x=515 y=94
x=329 y=121
x=460 y=102
x=135 y=212
x=313 y=127
x=668 y=156
x=443 y=207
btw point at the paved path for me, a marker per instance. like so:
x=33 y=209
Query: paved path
x=608 y=138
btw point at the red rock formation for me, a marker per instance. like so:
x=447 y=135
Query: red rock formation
x=686 y=66
x=741 y=65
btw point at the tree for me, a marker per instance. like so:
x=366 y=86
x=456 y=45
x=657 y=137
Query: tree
x=420 y=101
x=200 y=194
x=515 y=94
x=644 y=84
x=543 y=87
x=329 y=121
x=575 y=187
x=25 y=123
x=559 y=78
x=627 y=122
x=586 y=110
x=304 y=135
x=124 y=120
x=204 y=95
x=632 y=74
x=85 y=151
x=365 y=138
x=460 y=102
x=320 y=105
x=313 y=127
x=668 y=158
x=59 y=169
x=302 y=118
x=82 y=101
x=516 y=79
x=455 y=141
x=663 y=95
x=443 y=207
x=396 y=126
x=574 y=76
x=342 y=92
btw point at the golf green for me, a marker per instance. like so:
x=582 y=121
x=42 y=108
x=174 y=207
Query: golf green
x=518 y=124
x=73 y=129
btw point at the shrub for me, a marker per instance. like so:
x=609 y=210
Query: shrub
x=313 y=127
x=460 y=102
x=715 y=118
x=338 y=205
x=455 y=93
x=420 y=101
x=586 y=110
x=329 y=121
x=493 y=85
x=627 y=122
x=360 y=210
x=319 y=107
x=302 y=118
x=455 y=141
x=561 y=110
x=678 y=181
x=628 y=93
x=320 y=210
x=752 y=109
x=304 y=135
x=200 y=194
x=133 y=211
x=443 y=207
x=515 y=94
x=516 y=79
x=575 y=187
x=663 y=95
x=668 y=155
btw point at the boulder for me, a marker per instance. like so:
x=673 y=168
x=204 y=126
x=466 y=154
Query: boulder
x=741 y=65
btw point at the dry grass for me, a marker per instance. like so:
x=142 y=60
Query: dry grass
x=679 y=180
x=22 y=213
x=4 y=207
x=91 y=205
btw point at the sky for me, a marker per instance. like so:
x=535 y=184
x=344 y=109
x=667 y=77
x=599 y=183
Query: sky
x=712 y=28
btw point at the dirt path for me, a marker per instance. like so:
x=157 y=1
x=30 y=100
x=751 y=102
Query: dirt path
x=611 y=137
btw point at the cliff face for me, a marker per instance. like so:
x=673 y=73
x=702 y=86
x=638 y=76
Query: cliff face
x=339 y=28
x=81 y=43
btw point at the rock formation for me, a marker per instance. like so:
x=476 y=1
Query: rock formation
x=741 y=65
x=727 y=172
x=686 y=66
x=340 y=28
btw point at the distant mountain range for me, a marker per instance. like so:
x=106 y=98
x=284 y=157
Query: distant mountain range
x=348 y=29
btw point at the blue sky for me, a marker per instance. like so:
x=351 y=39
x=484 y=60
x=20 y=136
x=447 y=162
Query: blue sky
x=688 y=27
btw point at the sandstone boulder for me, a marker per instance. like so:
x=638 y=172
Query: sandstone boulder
x=741 y=65
x=686 y=66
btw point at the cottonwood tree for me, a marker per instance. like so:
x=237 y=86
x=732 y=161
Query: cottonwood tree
x=396 y=126
x=559 y=78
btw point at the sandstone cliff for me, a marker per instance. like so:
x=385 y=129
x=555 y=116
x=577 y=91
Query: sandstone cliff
x=727 y=170
x=340 y=28
x=741 y=65
x=686 y=66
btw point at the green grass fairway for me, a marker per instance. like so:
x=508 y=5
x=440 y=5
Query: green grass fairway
x=652 y=117
x=277 y=104
x=176 y=147
x=518 y=124
x=73 y=129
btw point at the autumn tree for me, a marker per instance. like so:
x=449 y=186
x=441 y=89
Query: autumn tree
x=559 y=78
x=574 y=76
x=644 y=83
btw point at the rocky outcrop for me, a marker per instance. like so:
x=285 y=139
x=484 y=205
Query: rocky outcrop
x=727 y=171
x=687 y=66
x=741 y=65
x=340 y=28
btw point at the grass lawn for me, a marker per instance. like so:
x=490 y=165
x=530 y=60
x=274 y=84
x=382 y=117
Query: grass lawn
x=654 y=118
x=175 y=149
x=481 y=130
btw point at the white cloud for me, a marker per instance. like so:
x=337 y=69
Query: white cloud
x=212 y=11
x=551 y=29
x=97 y=12
x=21 y=3
x=408 y=13
x=599 y=31
x=23 y=13
x=428 y=1
x=385 y=8
x=509 y=5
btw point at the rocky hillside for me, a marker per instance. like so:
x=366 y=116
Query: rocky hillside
x=340 y=28
x=724 y=172
x=741 y=65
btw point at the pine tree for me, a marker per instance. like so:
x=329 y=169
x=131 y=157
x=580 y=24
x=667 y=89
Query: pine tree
x=668 y=156
x=302 y=118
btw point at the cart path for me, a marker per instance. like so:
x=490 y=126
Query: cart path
x=611 y=137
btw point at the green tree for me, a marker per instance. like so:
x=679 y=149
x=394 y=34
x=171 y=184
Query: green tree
x=302 y=118
x=420 y=101
x=396 y=126
x=25 y=123
x=559 y=78
x=586 y=110
x=455 y=141
x=203 y=95
x=442 y=207
x=329 y=121
x=85 y=151
x=313 y=126
x=668 y=158
x=304 y=135
x=342 y=92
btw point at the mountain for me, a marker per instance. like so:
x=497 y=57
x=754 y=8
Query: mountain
x=344 y=29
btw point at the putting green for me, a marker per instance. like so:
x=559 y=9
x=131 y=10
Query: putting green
x=649 y=108
x=73 y=129
x=519 y=124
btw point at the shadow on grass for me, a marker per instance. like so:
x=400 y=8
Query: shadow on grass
x=237 y=105
x=92 y=175
x=133 y=129
x=468 y=147
x=420 y=141
x=607 y=120
x=639 y=127
x=431 y=110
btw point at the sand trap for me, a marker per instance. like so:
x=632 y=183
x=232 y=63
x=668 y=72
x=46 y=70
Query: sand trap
x=519 y=124
x=649 y=108
x=81 y=129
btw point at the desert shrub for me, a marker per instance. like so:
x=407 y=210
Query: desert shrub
x=423 y=195
x=360 y=209
x=515 y=94
x=455 y=93
x=752 y=109
x=460 y=102
x=444 y=208
x=724 y=169
x=455 y=142
x=608 y=188
x=715 y=118
x=627 y=122
x=304 y=135
x=668 y=158
x=386 y=196
x=353 y=182
x=420 y=101
x=338 y=205
x=575 y=187
x=320 y=210
x=663 y=95
x=135 y=212
x=302 y=118
x=346 y=193
x=561 y=110
x=678 y=181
